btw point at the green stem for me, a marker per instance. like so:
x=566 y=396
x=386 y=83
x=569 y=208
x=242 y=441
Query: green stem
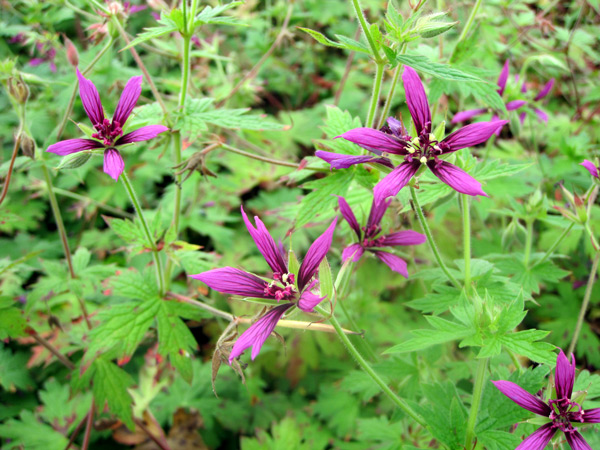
x=82 y=198
x=268 y=160
x=466 y=29
x=354 y=326
x=528 y=242
x=374 y=104
x=58 y=219
x=365 y=27
x=149 y=238
x=464 y=198
x=63 y=122
x=430 y=240
x=584 y=305
x=402 y=404
x=555 y=245
x=392 y=91
x=476 y=401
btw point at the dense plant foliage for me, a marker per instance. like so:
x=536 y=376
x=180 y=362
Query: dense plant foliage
x=305 y=225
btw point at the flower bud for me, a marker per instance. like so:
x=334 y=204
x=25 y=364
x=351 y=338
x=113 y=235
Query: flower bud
x=27 y=146
x=72 y=55
x=429 y=26
x=18 y=89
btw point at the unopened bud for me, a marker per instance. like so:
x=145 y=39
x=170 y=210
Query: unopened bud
x=18 y=89
x=28 y=146
x=72 y=55
x=430 y=26
x=115 y=8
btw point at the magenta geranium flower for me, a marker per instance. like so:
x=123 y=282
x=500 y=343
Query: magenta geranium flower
x=370 y=238
x=424 y=149
x=562 y=413
x=283 y=286
x=591 y=167
x=109 y=134
x=511 y=105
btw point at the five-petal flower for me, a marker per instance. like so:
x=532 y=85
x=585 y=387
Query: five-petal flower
x=109 y=134
x=561 y=412
x=283 y=287
x=424 y=149
x=369 y=238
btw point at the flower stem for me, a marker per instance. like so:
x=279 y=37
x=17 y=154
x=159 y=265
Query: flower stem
x=149 y=238
x=466 y=29
x=400 y=403
x=48 y=346
x=584 y=305
x=464 y=199
x=100 y=205
x=16 y=147
x=390 y=96
x=372 y=117
x=58 y=219
x=555 y=245
x=365 y=27
x=476 y=401
x=269 y=160
x=528 y=242
x=430 y=240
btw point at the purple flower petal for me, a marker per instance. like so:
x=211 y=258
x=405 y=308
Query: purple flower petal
x=257 y=334
x=394 y=262
x=515 y=104
x=396 y=126
x=467 y=115
x=349 y=215
x=229 y=280
x=266 y=244
x=354 y=251
x=375 y=140
x=416 y=100
x=69 y=146
x=456 y=178
x=308 y=301
x=142 y=134
x=565 y=376
x=393 y=182
x=577 y=442
x=522 y=117
x=341 y=161
x=539 y=439
x=406 y=237
x=90 y=99
x=128 y=99
x=503 y=78
x=545 y=90
x=541 y=115
x=113 y=163
x=36 y=62
x=590 y=166
x=591 y=415
x=378 y=209
x=523 y=398
x=472 y=134
x=315 y=255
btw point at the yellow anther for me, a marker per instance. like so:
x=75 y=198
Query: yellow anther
x=410 y=150
x=423 y=159
x=415 y=141
x=437 y=147
x=431 y=137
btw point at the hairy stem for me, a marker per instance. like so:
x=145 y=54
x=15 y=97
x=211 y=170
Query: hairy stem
x=555 y=245
x=430 y=240
x=149 y=238
x=528 y=242
x=584 y=305
x=100 y=205
x=399 y=402
x=464 y=198
x=268 y=160
x=62 y=232
x=392 y=91
x=476 y=401
x=466 y=29
x=88 y=427
x=374 y=104
x=365 y=27
x=202 y=305
x=48 y=346
x=10 y=167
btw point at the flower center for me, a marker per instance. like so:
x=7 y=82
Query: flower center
x=107 y=131
x=424 y=148
x=282 y=287
x=565 y=411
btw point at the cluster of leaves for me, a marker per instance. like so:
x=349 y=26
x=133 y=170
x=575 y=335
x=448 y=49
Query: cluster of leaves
x=140 y=357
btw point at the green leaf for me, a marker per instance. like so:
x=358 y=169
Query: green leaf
x=110 y=386
x=322 y=199
x=444 y=331
x=496 y=169
x=127 y=230
x=199 y=113
x=348 y=44
x=74 y=160
x=13 y=370
x=134 y=285
x=326 y=279
x=498 y=440
x=525 y=343
x=443 y=71
x=212 y=15
x=175 y=341
x=12 y=320
x=31 y=434
x=167 y=26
